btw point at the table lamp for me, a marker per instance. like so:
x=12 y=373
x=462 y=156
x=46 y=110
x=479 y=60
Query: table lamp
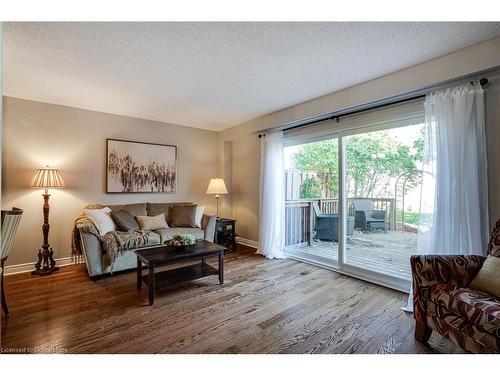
x=217 y=186
x=46 y=178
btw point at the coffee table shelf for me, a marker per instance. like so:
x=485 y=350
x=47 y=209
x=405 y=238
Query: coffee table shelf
x=168 y=278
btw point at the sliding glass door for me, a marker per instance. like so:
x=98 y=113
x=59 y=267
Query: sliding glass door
x=353 y=193
x=311 y=209
x=383 y=180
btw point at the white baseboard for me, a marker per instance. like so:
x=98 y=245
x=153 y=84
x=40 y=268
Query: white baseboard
x=28 y=267
x=61 y=262
x=247 y=242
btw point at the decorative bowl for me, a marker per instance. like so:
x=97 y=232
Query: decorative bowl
x=179 y=243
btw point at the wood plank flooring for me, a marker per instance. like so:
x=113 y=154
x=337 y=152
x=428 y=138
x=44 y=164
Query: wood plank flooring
x=278 y=306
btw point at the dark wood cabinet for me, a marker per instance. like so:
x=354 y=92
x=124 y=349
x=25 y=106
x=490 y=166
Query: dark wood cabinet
x=225 y=233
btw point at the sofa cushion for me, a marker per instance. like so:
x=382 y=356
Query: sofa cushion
x=167 y=234
x=153 y=239
x=155 y=209
x=378 y=214
x=135 y=209
x=124 y=220
x=101 y=219
x=200 y=210
x=477 y=307
x=183 y=216
x=152 y=222
x=488 y=277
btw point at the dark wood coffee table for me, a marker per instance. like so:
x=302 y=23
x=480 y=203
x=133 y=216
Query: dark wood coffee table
x=162 y=255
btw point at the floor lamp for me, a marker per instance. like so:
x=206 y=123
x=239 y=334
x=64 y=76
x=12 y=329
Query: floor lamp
x=217 y=186
x=46 y=178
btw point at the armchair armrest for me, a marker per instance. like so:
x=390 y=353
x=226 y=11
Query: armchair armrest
x=208 y=225
x=430 y=270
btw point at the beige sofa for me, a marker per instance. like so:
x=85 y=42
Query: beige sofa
x=91 y=244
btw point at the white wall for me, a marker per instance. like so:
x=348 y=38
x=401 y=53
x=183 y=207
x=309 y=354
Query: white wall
x=74 y=140
x=246 y=147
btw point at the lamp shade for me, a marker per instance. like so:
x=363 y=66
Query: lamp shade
x=48 y=177
x=216 y=186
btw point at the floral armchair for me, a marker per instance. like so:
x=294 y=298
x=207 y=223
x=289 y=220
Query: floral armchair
x=442 y=301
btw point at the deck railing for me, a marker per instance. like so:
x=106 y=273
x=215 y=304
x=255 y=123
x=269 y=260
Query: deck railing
x=299 y=216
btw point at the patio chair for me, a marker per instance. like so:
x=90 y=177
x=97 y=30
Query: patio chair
x=326 y=225
x=366 y=218
x=10 y=222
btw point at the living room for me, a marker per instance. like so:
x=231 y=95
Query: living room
x=250 y=187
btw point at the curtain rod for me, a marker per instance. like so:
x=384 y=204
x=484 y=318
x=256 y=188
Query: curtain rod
x=367 y=107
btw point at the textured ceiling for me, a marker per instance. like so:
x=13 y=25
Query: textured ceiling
x=213 y=75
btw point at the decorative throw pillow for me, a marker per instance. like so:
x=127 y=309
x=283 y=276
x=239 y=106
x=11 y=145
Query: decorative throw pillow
x=184 y=216
x=198 y=216
x=488 y=277
x=101 y=219
x=152 y=222
x=124 y=220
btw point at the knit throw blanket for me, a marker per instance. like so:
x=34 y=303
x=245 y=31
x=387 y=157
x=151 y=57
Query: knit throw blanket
x=113 y=243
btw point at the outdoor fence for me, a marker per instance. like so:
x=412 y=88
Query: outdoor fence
x=299 y=216
x=294 y=180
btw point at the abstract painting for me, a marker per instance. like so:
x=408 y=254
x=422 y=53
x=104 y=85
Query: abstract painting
x=138 y=167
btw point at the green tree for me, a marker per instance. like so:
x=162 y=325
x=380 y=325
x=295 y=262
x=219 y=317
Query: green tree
x=418 y=145
x=320 y=157
x=372 y=160
x=310 y=189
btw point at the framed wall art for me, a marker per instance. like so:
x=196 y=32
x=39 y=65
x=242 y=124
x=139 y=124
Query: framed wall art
x=140 y=167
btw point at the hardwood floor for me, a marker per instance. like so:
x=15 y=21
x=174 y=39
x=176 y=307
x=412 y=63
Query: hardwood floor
x=278 y=306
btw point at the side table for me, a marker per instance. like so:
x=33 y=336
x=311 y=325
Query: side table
x=225 y=232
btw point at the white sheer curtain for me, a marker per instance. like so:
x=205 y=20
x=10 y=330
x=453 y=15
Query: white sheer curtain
x=455 y=124
x=454 y=199
x=272 y=197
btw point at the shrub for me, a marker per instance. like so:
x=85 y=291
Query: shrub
x=310 y=189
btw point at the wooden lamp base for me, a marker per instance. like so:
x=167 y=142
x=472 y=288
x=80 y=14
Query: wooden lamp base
x=46 y=263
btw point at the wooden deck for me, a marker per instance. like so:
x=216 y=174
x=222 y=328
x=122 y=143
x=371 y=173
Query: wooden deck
x=387 y=253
